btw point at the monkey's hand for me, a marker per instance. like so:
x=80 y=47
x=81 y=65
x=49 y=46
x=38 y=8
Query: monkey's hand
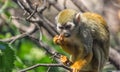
x=65 y=60
x=58 y=39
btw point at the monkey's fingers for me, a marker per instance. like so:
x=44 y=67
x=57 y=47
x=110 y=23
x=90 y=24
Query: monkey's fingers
x=65 y=60
x=58 y=39
x=75 y=70
x=78 y=65
x=61 y=37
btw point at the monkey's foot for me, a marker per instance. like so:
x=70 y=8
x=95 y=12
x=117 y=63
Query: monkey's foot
x=65 y=60
x=78 y=65
x=75 y=68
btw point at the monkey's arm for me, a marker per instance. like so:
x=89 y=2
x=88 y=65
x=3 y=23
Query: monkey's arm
x=87 y=56
x=86 y=38
x=59 y=39
x=79 y=64
x=87 y=43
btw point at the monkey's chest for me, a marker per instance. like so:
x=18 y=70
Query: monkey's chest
x=72 y=46
x=69 y=47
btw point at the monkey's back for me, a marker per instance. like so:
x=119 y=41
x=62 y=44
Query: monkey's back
x=100 y=33
x=96 y=24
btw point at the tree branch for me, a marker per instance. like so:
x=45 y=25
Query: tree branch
x=46 y=65
x=114 y=58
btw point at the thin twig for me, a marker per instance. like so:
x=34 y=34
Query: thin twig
x=40 y=29
x=31 y=15
x=43 y=7
x=46 y=65
x=64 y=4
x=20 y=4
x=54 y=4
x=115 y=4
x=39 y=19
x=80 y=5
x=114 y=58
x=25 y=6
x=48 y=69
x=48 y=49
x=28 y=4
x=14 y=38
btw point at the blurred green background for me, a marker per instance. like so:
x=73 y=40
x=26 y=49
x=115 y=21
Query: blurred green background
x=24 y=52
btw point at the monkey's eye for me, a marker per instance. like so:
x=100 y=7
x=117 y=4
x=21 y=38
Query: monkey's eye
x=67 y=26
x=60 y=27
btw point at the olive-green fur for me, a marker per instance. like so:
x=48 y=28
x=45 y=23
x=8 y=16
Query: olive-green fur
x=66 y=15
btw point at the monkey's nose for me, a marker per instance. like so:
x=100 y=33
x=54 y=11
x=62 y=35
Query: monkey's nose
x=67 y=34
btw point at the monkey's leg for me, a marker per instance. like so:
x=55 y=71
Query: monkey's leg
x=79 y=64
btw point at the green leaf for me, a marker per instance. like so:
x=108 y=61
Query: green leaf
x=7 y=58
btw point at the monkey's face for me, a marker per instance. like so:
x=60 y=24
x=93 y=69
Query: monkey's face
x=67 y=22
x=66 y=29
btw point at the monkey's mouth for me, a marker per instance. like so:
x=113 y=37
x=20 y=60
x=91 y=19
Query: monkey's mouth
x=66 y=35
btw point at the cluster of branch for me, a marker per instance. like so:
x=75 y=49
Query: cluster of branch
x=38 y=21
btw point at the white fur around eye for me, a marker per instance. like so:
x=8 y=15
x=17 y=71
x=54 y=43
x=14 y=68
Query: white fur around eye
x=58 y=29
x=72 y=24
x=56 y=19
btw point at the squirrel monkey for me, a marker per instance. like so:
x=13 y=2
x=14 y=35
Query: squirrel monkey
x=85 y=36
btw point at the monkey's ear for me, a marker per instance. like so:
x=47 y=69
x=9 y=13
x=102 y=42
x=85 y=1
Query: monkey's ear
x=77 y=18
